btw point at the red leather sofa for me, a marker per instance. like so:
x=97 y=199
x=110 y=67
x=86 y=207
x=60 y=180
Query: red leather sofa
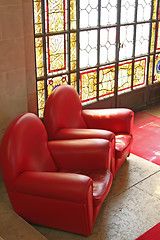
x=65 y=119
x=60 y=184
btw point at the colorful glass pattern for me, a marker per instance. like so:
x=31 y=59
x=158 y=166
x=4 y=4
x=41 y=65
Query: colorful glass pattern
x=65 y=54
x=55 y=15
x=73 y=56
x=73 y=20
x=54 y=82
x=150 y=70
x=37 y=17
x=106 y=81
x=73 y=80
x=39 y=56
x=139 y=72
x=157 y=69
x=41 y=97
x=153 y=37
x=56 y=53
x=88 y=85
x=158 y=38
x=124 y=76
x=154 y=9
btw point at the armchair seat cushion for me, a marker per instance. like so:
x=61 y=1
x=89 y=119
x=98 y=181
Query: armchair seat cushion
x=102 y=181
x=122 y=142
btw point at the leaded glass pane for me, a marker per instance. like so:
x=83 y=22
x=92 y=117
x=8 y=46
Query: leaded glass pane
x=73 y=56
x=126 y=40
x=107 y=45
x=154 y=9
x=127 y=11
x=54 y=82
x=144 y=10
x=153 y=37
x=73 y=14
x=158 y=38
x=150 y=70
x=139 y=72
x=88 y=85
x=37 y=17
x=108 y=12
x=124 y=76
x=142 y=39
x=157 y=69
x=88 y=48
x=39 y=57
x=73 y=80
x=56 y=53
x=41 y=97
x=106 y=81
x=55 y=15
x=88 y=13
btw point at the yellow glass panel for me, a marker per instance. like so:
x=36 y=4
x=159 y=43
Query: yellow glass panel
x=158 y=37
x=41 y=98
x=56 y=54
x=37 y=16
x=154 y=9
x=73 y=57
x=55 y=15
x=73 y=14
x=54 y=82
x=150 y=70
x=139 y=72
x=88 y=85
x=73 y=80
x=124 y=76
x=153 y=37
x=106 y=81
x=39 y=56
x=157 y=69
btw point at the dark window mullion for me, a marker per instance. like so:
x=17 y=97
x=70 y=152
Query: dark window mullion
x=69 y=40
x=134 y=42
x=155 y=41
x=117 y=51
x=78 y=44
x=149 y=48
x=98 y=46
x=44 y=50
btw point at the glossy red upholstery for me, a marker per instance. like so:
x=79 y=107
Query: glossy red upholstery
x=65 y=119
x=60 y=184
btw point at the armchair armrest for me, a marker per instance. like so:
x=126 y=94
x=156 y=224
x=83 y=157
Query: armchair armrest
x=117 y=120
x=61 y=186
x=81 y=154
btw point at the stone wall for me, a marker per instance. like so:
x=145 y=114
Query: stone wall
x=17 y=67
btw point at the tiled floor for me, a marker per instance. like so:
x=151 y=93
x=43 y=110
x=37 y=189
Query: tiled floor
x=131 y=208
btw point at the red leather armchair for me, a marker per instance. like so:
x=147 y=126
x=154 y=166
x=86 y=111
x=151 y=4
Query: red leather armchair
x=65 y=119
x=60 y=184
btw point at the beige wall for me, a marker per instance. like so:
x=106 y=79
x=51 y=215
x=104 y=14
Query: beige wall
x=17 y=67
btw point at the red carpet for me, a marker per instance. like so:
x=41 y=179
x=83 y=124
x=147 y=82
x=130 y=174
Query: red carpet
x=146 y=137
x=152 y=234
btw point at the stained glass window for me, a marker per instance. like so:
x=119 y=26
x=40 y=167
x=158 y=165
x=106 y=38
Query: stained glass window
x=102 y=48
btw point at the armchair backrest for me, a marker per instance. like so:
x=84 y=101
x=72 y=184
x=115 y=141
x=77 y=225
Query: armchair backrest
x=63 y=109
x=24 y=147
